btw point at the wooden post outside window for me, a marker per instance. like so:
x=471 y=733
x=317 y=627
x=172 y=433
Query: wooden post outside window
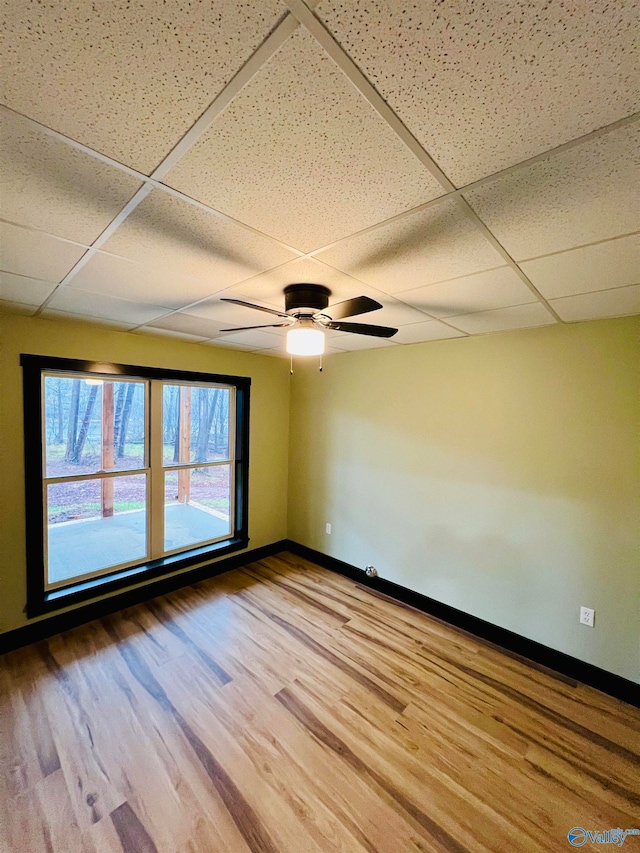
x=107 y=448
x=184 y=475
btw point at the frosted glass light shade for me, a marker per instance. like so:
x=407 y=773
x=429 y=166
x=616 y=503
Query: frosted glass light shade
x=305 y=341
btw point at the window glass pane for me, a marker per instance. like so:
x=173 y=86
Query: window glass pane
x=197 y=506
x=95 y=524
x=195 y=423
x=91 y=425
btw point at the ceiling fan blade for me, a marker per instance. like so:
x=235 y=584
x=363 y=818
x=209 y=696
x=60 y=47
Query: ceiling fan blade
x=247 y=328
x=351 y=307
x=257 y=307
x=363 y=329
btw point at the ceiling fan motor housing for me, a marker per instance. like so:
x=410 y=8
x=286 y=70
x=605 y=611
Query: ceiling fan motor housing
x=305 y=298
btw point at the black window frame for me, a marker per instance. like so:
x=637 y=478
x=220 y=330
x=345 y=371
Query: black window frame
x=39 y=599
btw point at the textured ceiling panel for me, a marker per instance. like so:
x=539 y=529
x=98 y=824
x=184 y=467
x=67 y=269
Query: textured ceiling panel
x=48 y=185
x=301 y=156
x=198 y=326
x=346 y=341
x=125 y=279
x=436 y=244
x=184 y=240
x=615 y=263
x=582 y=195
x=486 y=85
x=431 y=330
x=35 y=254
x=76 y=301
x=18 y=308
x=168 y=333
x=606 y=303
x=503 y=319
x=127 y=79
x=54 y=314
x=258 y=339
x=480 y=292
x=17 y=288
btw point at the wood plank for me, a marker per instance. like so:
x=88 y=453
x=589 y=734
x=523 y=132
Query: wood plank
x=285 y=708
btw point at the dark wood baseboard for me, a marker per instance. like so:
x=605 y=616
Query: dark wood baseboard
x=529 y=650
x=43 y=628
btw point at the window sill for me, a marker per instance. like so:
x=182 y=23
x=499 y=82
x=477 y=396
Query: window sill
x=97 y=587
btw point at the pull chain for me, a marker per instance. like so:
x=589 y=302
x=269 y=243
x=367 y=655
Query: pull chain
x=320 y=364
x=291 y=368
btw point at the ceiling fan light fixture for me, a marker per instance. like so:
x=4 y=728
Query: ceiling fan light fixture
x=305 y=340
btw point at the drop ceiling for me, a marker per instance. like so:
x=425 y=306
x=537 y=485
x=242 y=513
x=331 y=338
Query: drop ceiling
x=473 y=167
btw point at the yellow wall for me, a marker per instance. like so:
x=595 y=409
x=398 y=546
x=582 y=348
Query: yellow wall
x=268 y=440
x=497 y=474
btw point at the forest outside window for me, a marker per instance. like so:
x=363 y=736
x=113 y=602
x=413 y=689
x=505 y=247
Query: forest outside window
x=129 y=470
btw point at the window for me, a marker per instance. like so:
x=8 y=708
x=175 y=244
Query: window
x=130 y=471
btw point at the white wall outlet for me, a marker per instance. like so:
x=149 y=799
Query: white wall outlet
x=587 y=616
x=327 y=528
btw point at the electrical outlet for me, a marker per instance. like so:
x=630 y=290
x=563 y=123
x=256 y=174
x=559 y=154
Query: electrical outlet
x=327 y=528
x=587 y=616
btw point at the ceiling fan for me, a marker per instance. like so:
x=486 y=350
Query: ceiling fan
x=307 y=312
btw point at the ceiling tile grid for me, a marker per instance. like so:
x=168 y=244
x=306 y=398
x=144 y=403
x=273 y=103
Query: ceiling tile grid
x=613 y=263
x=36 y=254
x=53 y=187
x=183 y=240
x=583 y=195
x=487 y=85
x=315 y=161
x=299 y=151
x=482 y=291
x=127 y=79
x=617 y=302
x=22 y=290
x=426 y=247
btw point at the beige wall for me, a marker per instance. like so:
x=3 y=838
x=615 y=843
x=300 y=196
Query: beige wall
x=269 y=426
x=497 y=474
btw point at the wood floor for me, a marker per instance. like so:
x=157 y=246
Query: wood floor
x=282 y=708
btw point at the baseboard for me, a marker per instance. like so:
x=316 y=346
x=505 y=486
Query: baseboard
x=43 y=628
x=529 y=650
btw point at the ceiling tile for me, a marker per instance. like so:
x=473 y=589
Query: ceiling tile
x=258 y=339
x=198 y=326
x=593 y=306
x=615 y=263
x=183 y=240
x=503 y=319
x=18 y=288
x=228 y=314
x=127 y=79
x=97 y=305
x=423 y=248
x=300 y=155
x=480 y=292
x=431 y=330
x=115 y=276
x=18 y=308
x=487 y=85
x=35 y=254
x=579 y=196
x=54 y=314
x=168 y=333
x=50 y=186
x=348 y=341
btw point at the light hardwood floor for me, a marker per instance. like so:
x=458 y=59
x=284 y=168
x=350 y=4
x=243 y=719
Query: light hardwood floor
x=285 y=709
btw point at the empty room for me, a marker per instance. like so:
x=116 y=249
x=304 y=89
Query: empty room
x=319 y=421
